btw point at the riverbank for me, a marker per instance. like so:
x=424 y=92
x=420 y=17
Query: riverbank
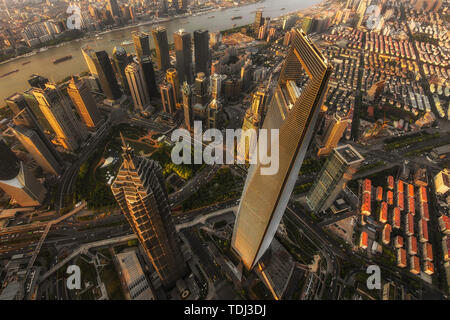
x=89 y=35
x=214 y=21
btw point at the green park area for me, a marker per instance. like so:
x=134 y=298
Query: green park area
x=184 y=171
x=401 y=142
x=311 y=166
x=224 y=186
x=91 y=181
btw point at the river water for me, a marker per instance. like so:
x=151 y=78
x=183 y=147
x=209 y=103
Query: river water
x=42 y=64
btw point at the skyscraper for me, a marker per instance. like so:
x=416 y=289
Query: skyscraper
x=201 y=51
x=141 y=44
x=120 y=62
x=252 y=118
x=167 y=97
x=149 y=76
x=337 y=171
x=58 y=112
x=201 y=89
x=187 y=106
x=139 y=189
x=258 y=21
x=162 y=48
x=216 y=85
x=36 y=110
x=293 y=111
x=172 y=77
x=38 y=149
x=113 y=8
x=37 y=81
x=138 y=86
x=17 y=181
x=26 y=117
x=84 y=103
x=335 y=129
x=17 y=104
x=101 y=68
x=183 y=52
x=213 y=110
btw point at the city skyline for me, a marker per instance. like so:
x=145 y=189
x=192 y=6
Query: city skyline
x=122 y=175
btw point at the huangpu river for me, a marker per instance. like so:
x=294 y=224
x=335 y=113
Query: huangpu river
x=41 y=63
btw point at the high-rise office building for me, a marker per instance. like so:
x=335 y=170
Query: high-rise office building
x=213 y=112
x=167 y=98
x=183 y=52
x=101 y=68
x=216 y=81
x=57 y=110
x=258 y=21
x=201 y=93
x=163 y=6
x=187 y=106
x=36 y=110
x=337 y=171
x=120 y=62
x=139 y=189
x=162 y=48
x=293 y=111
x=183 y=4
x=141 y=44
x=113 y=8
x=334 y=132
x=149 y=76
x=84 y=102
x=37 y=81
x=17 y=180
x=17 y=104
x=173 y=78
x=201 y=51
x=26 y=117
x=38 y=149
x=252 y=119
x=361 y=10
x=138 y=86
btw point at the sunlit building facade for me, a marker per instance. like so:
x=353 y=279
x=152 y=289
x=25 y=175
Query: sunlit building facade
x=293 y=110
x=139 y=189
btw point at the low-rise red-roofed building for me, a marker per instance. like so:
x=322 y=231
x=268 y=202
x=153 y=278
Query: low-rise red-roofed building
x=390 y=198
x=379 y=194
x=401 y=258
x=423 y=194
x=383 y=212
x=444 y=224
x=387 y=233
x=366 y=206
x=367 y=186
x=409 y=224
x=363 y=240
x=428 y=267
x=400 y=186
x=398 y=242
x=410 y=190
x=423 y=231
x=412 y=245
x=396 y=218
x=446 y=248
x=424 y=213
x=411 y=206
x=427 y=251
x=400 y=201
x=390 y=180
x=414 y=265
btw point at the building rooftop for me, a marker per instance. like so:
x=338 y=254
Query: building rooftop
x=349 y=154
